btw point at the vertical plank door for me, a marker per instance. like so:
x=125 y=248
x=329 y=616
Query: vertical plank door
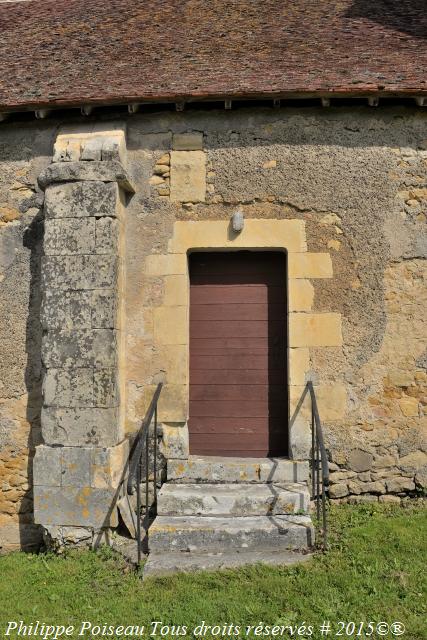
x=238 y=373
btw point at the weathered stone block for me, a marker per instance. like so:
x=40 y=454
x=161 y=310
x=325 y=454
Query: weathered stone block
x=16 y=535
x=301 y=295
x=381 y=462
x=191 y=141
x=399 y=378
x=188 y=176
x=96 y=171
x=69 y=387
x=81 y=199
x=171 y=325
x=414 y=462
x=92 y=138
x=112 y=150
x=80 y=348
x=176 y=290
x=105 y=389
x=162 y=265
x=173 y=403
x=75 y=506
x=62 y=309
x=47 y=466
x=107 y=236
x=104 y=309
x=359 y=460
x=358 y=487
x=310 y=265
x=338 y=490
x=315 y=330
x=300 y=437
x=79 y=272
x=173 y=361
x=69 y=236
x=398 y=485
x=421 y=479
x=76 y=467
x=78 y=427
x=92 y=149
x=175 y=442
x=213 y=469
x=332 y=401
x=109 y=465
x=299 y=364
x=389 y=499
x=67 y=309
x=339 y=476
x=409 y=406
x=57 y=538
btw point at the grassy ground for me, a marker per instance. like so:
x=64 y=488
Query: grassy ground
x=374 y=571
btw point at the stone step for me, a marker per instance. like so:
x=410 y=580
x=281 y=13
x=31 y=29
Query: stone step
x=232 y=499
x=161 y=564
x=193 y=533
x=213 y=469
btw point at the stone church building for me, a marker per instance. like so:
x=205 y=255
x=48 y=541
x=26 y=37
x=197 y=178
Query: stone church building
x=228 y=198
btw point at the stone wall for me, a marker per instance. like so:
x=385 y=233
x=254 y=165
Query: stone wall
x=356 y=179
x=24 y=151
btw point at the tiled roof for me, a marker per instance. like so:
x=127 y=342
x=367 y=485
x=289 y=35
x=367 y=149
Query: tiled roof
x=68 y=52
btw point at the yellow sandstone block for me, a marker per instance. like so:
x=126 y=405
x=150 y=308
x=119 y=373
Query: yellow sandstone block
x=409 y=406
x=315 y=330
x=256 y=234
x=172 y=359
x=171 y=325
x=331 y=401
x=108 y=465
x=173 y=403
x=176 y=291
x=310 y=265
x=299 y=364
x=191 y=141
x=162 y=265
x=301 y=295
x=188 y=176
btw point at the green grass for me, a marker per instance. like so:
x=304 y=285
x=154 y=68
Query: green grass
x=375 y=570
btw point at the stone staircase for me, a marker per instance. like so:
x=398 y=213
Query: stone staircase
x=227 y=512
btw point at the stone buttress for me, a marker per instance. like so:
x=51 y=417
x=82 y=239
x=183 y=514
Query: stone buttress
x=79 y=468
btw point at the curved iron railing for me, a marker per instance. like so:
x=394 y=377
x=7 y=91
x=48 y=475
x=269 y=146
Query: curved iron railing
x=141 y=452
x=318 y=462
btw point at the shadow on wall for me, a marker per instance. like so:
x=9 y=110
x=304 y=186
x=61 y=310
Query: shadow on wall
x=406 y=16
x=33 y=240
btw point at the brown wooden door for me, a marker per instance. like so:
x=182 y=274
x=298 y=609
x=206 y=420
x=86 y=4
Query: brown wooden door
x=238 y=380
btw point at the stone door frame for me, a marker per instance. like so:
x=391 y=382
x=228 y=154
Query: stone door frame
x=171 y=319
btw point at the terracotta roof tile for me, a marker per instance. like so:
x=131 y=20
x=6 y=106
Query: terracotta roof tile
x=68 y=52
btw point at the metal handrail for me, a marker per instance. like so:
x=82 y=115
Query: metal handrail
x=319 y=461
x=139 y=449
